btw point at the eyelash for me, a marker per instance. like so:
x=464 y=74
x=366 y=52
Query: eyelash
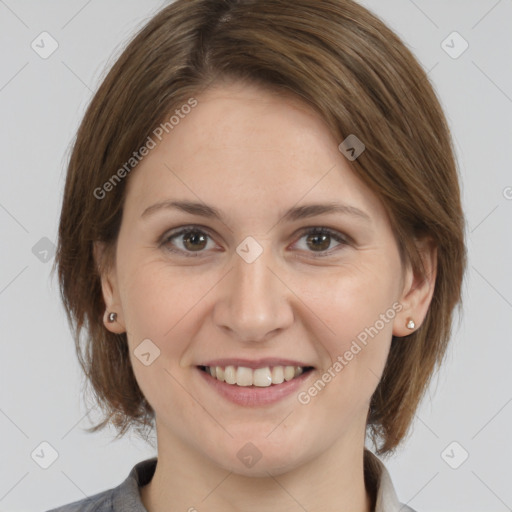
x=335 y=235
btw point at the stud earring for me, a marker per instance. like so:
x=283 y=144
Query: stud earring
x=112 y=317
x=410 y=324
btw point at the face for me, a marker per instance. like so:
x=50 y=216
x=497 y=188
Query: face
x=265 y=283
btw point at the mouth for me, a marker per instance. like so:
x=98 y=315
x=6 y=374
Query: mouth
x=257 y=377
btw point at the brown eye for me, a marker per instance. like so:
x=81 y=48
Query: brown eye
x=188 y=242
x=194 y=241
x=320 y=241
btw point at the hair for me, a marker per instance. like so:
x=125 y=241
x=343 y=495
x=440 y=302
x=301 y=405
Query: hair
x=346 y=64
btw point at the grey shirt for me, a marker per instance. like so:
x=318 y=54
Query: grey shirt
x=126 y=496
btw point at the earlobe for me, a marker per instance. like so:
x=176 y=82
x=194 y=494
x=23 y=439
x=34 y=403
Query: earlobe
x=418 y=291
x=111 y=322
x=112 y=318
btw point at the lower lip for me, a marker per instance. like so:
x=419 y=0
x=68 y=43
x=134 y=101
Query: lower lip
x=254 y=396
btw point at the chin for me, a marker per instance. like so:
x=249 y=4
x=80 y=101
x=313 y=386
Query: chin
x=263 y=467
x=259 y=459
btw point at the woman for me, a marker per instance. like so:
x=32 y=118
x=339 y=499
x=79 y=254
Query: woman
x=262 y=238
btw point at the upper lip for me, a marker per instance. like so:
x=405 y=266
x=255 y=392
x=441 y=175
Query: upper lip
x=255 y=363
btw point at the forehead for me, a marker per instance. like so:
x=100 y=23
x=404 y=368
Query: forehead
x=243 y=141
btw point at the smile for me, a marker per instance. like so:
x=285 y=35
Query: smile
x=257 y=377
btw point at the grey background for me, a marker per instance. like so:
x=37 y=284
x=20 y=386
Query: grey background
x=41 y=104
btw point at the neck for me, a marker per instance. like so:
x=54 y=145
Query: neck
x=186 y=481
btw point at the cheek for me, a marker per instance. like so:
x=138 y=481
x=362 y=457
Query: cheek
x=357 y=306
x=351 y=298
x=160 y=304
x=158 y=298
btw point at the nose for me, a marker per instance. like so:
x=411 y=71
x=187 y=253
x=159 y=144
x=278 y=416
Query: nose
x=253 y=304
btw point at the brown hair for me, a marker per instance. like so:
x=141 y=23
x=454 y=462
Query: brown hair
x=358 y=75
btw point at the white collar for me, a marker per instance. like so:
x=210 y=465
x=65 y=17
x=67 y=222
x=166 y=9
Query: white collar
x=378 y=477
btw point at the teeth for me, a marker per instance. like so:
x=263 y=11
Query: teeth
x=289 y=372
x=243 y=376
x=230 y=374
x=277 y=375
x=260 y=377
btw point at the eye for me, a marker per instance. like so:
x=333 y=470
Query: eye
x=188 y=241
x=319 y=239
x=191 y=241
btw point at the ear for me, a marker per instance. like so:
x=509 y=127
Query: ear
x=418 y=290
x=110 y=288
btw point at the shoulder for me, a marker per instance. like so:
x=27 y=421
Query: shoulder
x=101 y=502
x=123 y=498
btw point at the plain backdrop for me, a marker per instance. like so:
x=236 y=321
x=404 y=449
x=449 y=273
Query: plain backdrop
x=468 y=409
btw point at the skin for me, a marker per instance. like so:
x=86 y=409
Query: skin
x=253 y=154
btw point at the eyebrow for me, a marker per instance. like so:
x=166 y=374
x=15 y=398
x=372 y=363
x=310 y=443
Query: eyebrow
x=293 y=214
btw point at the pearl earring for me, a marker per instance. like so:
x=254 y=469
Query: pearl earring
x=112 y=317
x=410 y=324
